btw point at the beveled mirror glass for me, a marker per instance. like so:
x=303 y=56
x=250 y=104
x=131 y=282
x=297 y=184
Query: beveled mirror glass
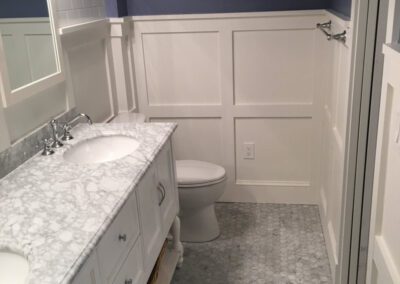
x=29 y=47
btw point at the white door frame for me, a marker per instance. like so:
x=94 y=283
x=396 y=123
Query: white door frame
x=364 y=14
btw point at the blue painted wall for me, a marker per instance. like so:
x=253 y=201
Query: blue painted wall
x=23 y=8
x=116 y=8
x=342 y=7
x=159 y=7
x=163 y=7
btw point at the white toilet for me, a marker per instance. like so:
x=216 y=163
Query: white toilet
x=200 y=184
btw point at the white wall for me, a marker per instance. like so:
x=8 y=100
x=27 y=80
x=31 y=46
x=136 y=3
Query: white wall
x=230 y=79
x=332 y=83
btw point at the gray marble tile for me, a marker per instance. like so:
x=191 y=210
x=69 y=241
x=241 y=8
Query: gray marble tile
x=260 y=243
x=23 y=150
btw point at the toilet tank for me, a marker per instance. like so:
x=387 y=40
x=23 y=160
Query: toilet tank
x=129 y=117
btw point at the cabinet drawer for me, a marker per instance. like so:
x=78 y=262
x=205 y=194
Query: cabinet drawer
x=89 y=272
x=132 y=270
x=118 y=239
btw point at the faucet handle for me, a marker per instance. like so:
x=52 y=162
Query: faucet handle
x=67 y=135
x=47 y=151
x=56 y=142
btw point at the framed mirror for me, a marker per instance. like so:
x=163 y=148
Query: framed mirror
x=30 y=55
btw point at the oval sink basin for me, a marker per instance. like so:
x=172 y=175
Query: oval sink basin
x=101 y=149
x=14 y=268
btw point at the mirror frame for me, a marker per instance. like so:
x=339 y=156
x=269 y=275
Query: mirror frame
x=11 y=97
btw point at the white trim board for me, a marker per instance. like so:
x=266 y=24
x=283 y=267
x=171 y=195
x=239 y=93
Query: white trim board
x=227 y=15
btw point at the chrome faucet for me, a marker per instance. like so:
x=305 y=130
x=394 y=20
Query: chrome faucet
x=68 y=126
x=56 y=142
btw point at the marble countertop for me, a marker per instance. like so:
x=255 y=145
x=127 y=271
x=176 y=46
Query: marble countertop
x=55 y=212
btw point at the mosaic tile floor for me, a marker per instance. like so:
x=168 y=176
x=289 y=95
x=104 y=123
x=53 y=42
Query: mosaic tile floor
x=260 y=244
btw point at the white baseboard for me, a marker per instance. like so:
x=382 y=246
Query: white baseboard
x=330 y=240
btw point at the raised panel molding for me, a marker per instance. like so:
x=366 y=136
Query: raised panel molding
x=197 y=138
x=282 y=150
x=173 y=55
x=182 y=68
x=273 y=66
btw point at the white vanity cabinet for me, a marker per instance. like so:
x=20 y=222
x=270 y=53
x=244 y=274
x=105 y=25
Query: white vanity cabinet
x=128 y=250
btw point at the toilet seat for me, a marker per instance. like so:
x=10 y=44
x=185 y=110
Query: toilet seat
x=192 y=173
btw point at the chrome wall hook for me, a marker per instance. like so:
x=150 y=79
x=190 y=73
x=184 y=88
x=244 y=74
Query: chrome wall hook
x=325 y=26
x=340 y=37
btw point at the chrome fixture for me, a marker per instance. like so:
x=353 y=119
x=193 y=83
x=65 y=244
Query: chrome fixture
x=340 y=37
x=67 y=135
x=328 y=26
x=68 y=126
x=56 y=142
x=47 y=151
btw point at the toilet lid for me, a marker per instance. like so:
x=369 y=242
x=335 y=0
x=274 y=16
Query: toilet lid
x=190 y=172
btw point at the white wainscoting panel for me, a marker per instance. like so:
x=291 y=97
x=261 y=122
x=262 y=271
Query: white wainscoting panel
x=384 y=256
x=265 y=61
x=283 y=151
x=90 y=78
x=91 y=97
x=332 y=83
x=182 y=68
x=233 y=78
x=197 y=139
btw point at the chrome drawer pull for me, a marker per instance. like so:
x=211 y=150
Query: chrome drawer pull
x=122 y=237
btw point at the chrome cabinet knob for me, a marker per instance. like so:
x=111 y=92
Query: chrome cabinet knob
x=122 y=237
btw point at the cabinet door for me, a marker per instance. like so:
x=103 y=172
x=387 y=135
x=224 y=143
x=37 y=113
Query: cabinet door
x=131 y=271
x=169 y=204
x=150 y=218
x=118 y=239
x=89 y=273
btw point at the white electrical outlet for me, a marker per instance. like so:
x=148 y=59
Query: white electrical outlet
x=249 y=151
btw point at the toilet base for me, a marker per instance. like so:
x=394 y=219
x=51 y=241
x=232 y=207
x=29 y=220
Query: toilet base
x=199 y=225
